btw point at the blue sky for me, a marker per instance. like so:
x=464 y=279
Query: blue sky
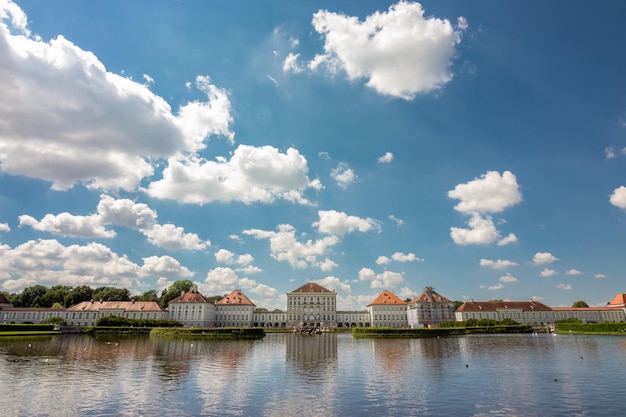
x=476 y=147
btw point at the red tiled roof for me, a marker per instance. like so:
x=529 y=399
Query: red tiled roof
x=618 y=300
x=139 y=306
x=503 y=305
x=614 y=308
x=311 y=287
x=429 y=297
x=387 y=297
x=191 y=297
x=235 y=298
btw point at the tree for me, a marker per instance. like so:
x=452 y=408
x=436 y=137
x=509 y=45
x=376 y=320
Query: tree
x=175 y=290
x=78 y=295
x=55 y=294
x=150 y=295
x=580 y=303
x=30 y=296
x=111 y=294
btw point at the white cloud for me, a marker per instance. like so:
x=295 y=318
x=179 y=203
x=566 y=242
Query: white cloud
x=565 y=287
x=122 y=212
x=383 y=260
x=384 y=280
x=334 y=284
x=249 y=270
x=599 y=276
x=48 y=262
x=224 y=256
x=542 y=258
x=547 y=272
x=4 y=227
x=386 y=158
x=397 y=221
x=339 y=223
x=507 y=279
x=66 y=224
x=253 y=174
x=284 y=246
x=290 y=64
x=220 y=281
x=148 y=79
x=497 y=264
x=609 y=152
x=618 y=198
x=572 y=272
x=405 y=257
x=481 y=231
x=93 y=127
x=495 y=287
x=344 y=175
x=400 y=52
x=491 y=193
x=511 y=238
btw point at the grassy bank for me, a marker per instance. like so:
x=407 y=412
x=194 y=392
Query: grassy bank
x=27 y=330
x=218 y=333
x=612 y=329
x=385 y=332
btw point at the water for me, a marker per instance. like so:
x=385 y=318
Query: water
x=326 y=375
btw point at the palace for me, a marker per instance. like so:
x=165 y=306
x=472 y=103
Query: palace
x=315 y=306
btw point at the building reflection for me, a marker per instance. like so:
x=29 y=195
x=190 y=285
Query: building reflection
x=312 y=356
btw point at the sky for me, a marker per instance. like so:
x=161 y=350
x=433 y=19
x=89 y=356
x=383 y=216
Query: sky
x=475 y=147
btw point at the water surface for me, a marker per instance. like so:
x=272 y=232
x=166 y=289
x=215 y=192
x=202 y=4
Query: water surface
x=325 y=375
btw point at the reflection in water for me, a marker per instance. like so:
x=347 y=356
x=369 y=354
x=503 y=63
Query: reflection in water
x=328 y=374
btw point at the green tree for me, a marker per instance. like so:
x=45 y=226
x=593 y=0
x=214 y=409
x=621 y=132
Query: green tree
x=55 y=294
x=111 y=294
x=150 y=295
x=580 y=303
x=175 y=290
x=30 y=296
x=78 y=295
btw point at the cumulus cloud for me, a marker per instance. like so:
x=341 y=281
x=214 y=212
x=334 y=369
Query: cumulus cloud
x=48 y=262
x=573 y=272
x=120 y=212
x=495 y=287
x=382 y=260
x=507 y=278
x=599 y=276
x=93 y=127
x=565 y=287
x=383 y=280
x=285 y=247
x=222 y=280
x=339 y=223
x=481 y=230
x=334 y=284
x=343 y=175
x=491 y=193
x=253 y=174
x=497 y=264
x=511 y=238
x=542 y=258
x=400 y=52
x=547 y=272
x=398 y=257
x=227 y=257
x=386 y=158
x=618 y=198
x=4 y=227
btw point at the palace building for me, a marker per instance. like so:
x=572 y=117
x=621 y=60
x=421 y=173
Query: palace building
x=312 y=305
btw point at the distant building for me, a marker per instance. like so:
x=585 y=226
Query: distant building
x=523 y=312
x=192 y=309
x=311 y=305
x=429 y=309
x=235 y=310
x=387 y=310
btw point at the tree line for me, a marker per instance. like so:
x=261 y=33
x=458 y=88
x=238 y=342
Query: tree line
x=61 y=296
